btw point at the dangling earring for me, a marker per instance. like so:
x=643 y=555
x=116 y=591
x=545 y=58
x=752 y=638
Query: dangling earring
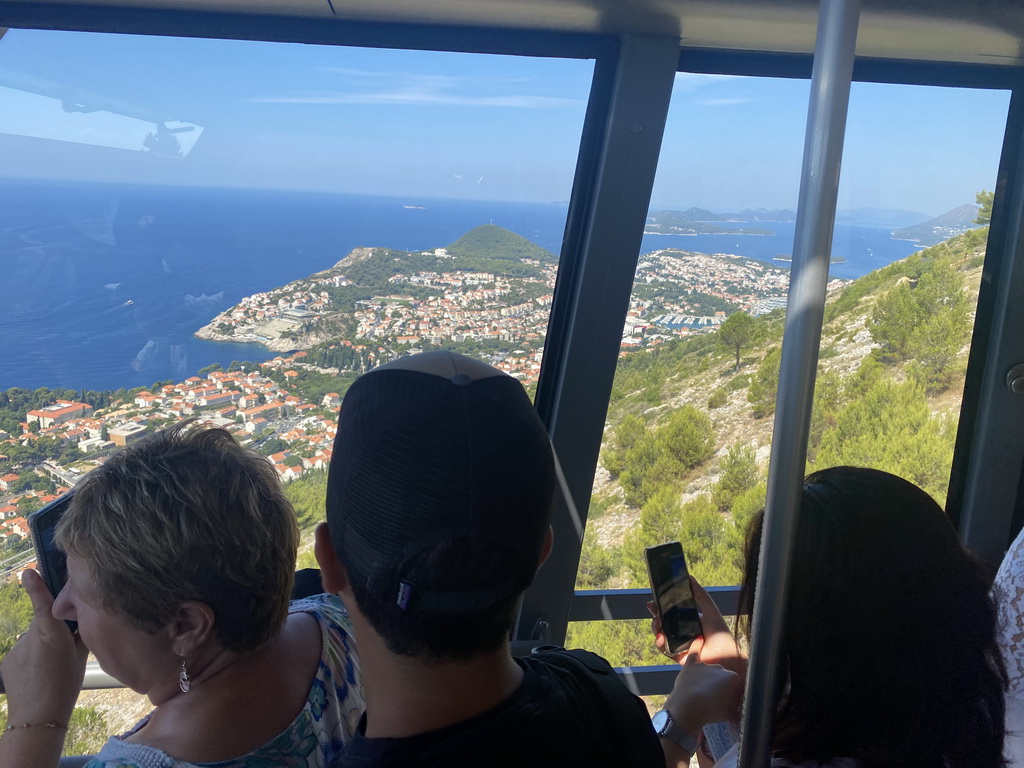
x=183 y=680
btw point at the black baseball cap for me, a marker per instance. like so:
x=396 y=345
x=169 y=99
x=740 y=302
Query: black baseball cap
x=432 y=448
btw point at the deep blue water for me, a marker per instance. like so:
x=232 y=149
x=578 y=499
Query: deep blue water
x=102 y=286
x=864 y=248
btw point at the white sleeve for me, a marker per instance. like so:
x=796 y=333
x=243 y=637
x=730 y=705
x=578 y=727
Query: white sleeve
x=728 y=760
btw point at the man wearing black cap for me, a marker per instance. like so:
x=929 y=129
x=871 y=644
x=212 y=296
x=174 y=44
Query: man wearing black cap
x=438 y=505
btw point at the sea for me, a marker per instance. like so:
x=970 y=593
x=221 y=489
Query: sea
x=103 y=285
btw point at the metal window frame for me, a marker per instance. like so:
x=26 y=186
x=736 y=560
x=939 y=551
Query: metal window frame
x=608 y=207
x=986 y=479
x=552 y=388
x=295 y=29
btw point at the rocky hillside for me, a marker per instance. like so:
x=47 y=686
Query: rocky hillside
x=892 y=359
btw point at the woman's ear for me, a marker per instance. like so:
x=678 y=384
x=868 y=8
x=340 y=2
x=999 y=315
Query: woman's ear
x=332 y=572
x=192 y=626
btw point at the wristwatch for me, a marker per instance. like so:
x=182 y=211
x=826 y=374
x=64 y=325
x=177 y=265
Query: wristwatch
x=665 y=726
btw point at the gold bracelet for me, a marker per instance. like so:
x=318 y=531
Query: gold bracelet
x=35 y=725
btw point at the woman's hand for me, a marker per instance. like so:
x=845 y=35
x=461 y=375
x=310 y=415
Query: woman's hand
x=704 y=693
x=43 y=673
x=716 y=645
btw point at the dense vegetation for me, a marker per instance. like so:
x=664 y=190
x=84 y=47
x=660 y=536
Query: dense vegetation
x=490 y=241
x=891 y=367
x=308 y=494
x=16 y=402
x=487 y=248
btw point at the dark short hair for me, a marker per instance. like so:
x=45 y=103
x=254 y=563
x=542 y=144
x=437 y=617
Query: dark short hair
x=188 y=514
x=438 y=500
x=889 y=638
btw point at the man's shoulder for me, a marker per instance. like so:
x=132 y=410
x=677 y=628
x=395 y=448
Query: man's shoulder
x=594 y=697
x=570 y=710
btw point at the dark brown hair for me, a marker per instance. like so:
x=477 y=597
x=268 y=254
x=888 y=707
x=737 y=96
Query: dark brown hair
x=889 y=640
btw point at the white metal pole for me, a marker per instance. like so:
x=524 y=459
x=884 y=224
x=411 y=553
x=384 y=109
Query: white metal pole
x=819 y=186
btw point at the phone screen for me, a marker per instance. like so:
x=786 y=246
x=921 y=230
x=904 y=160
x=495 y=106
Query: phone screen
x=52 y=562
x=670 y=582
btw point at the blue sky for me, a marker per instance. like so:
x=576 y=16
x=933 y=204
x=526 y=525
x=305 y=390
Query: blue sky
x=423 y=124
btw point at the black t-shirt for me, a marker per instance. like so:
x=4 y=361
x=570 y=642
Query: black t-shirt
x=557 y=716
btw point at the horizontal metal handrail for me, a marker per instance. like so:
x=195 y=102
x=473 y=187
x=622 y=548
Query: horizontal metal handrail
x=96 y=678
x=587 y=605
x=649 y=681
x=624 y=604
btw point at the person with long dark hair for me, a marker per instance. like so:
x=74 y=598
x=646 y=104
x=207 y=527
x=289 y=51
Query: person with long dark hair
x=889 y=649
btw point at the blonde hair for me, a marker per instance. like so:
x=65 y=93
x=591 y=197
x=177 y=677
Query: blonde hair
x=188 y=514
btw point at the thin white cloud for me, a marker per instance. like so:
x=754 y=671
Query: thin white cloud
x=423 y=98
x=723 y=102
x=405 y=77
x=690 y=81
x=418 y=89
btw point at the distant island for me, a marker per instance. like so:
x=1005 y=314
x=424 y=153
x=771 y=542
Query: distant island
x=943 y=227
x=697 y=221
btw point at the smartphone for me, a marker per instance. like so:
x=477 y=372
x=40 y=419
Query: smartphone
x=52 y=562
x=673 y=596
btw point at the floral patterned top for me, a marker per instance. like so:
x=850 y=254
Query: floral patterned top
x=1008 y=591
x=318 y=733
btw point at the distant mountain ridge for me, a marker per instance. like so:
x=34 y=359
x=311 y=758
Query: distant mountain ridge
x=943 y=227
x=748 y=214
x=697 y=221
x=880 y=217
x=700 y=221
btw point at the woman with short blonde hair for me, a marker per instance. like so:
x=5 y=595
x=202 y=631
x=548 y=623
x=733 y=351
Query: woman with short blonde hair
x=181 y=556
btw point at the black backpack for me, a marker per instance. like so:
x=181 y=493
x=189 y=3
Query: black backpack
x=616 y=711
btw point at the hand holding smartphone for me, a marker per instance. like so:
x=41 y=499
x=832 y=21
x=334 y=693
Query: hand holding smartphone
x=52 y=562
x=681 y=624
x=673 y=596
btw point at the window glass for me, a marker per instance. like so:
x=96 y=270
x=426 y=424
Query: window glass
x=234 y=230
x=919 y=167
x=688 y=434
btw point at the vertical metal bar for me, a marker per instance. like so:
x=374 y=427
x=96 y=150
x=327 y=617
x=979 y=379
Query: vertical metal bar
x=586 y=329
x=819 y=186
x=986 y=474
x=581 y=202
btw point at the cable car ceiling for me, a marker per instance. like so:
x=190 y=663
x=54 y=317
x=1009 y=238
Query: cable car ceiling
x=965 y=31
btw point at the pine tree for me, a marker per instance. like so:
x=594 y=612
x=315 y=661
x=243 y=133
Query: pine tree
x=736 y=332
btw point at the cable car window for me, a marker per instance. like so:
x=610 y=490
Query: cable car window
x=688 y=433
x=918 y=173
x=235 y=230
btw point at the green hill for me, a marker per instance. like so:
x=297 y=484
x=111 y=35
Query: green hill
x=492 y=242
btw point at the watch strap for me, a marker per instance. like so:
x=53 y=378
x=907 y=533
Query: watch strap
x=666 y=726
